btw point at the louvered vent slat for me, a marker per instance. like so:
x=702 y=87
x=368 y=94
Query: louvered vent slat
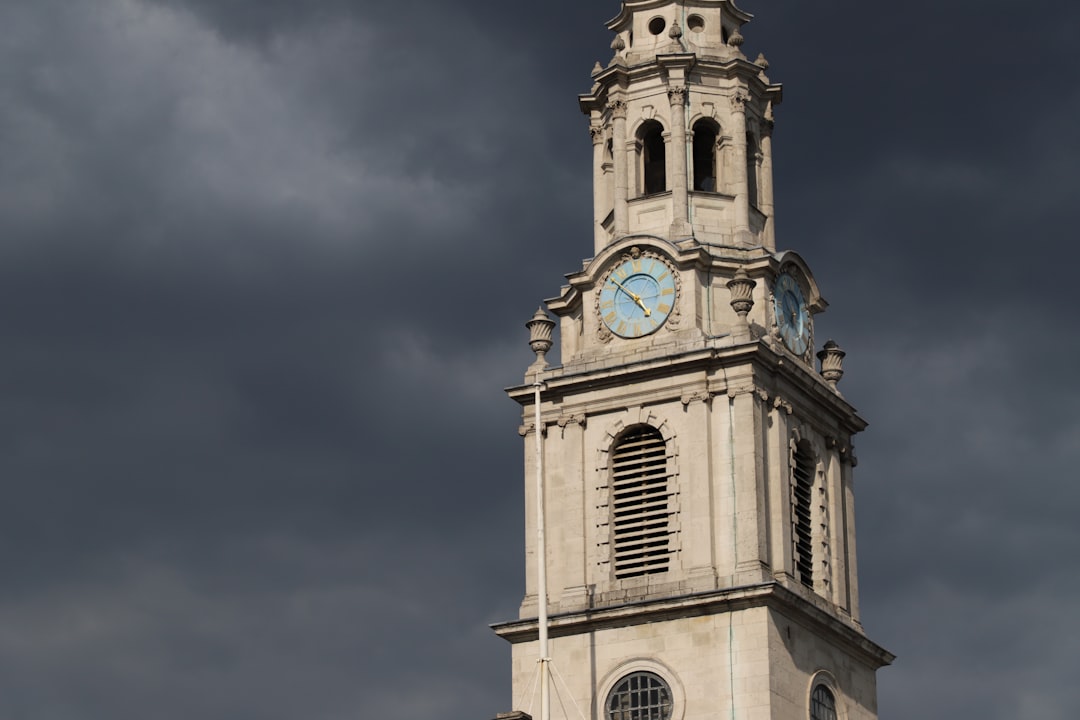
x=802 y=490
x=640 y=501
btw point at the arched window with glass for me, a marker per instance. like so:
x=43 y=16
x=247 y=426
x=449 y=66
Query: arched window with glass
x=640 y=696
x=822 y=704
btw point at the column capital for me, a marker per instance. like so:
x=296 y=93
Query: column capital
x=618 y=109
x=677 y=94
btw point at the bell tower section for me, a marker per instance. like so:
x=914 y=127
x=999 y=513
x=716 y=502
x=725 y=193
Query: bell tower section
x=681 y=124
x=690 y=551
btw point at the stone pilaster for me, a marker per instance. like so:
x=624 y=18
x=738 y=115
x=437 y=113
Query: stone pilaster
x=740 y=181
x=599 y=187
x=622 y=169
x=680 y=226
x=767 y=203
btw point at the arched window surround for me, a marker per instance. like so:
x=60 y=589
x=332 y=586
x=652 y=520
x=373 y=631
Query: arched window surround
x=615 y=675
x=604 y=553
x=825 y=680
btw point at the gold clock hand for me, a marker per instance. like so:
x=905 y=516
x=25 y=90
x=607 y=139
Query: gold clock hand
x=633 y=296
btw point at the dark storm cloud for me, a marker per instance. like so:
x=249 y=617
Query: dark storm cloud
x=266 y=265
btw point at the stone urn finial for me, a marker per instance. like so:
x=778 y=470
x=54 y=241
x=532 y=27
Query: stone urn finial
x=676 y=32
x=742 y=293
x=832 y=363
x=540 y=328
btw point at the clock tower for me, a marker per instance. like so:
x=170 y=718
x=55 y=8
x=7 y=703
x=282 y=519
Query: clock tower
x=690 y=544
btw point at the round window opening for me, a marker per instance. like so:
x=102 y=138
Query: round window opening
x=640 y=696
x=657 y=25
x=696 y=23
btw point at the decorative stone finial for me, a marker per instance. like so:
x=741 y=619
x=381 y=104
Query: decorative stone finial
x=618 y=44
x=761 y=62
x=832 y=363
x=540 y=328
x=675 y=32
x=742 y=293
x=736 y=39
x=597 y=68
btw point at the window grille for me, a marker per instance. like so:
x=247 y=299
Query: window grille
x=822 y=704
x=640 y=504
x=640 y=696
x=802 y=491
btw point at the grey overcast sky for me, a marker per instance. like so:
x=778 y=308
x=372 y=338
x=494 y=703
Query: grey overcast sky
x=264 y=266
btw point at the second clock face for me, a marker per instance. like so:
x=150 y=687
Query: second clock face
x=792 y=315
x=637 y=297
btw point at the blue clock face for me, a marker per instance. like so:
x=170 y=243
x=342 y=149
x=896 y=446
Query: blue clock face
x=792 y=315
x=637 y=297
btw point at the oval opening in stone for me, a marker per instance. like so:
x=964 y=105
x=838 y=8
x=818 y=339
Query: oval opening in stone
x=696 y=23
x=657 y=25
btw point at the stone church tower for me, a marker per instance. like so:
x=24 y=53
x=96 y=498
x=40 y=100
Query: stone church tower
x=697 y=462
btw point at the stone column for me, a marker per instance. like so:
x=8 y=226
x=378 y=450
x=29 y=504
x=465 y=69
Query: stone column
x=740 y=186
x=622 y=170
x=834 y=494
x=750 y=528
x=766 y=201
x=847 y=479
x=697 y=515
x=569 y=534
x=599 y=191
x=680 y=226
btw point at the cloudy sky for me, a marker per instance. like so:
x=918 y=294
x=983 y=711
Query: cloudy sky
x=264 y=266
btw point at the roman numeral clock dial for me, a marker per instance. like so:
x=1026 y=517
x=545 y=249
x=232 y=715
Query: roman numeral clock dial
x=637 y=296
x=792 y=315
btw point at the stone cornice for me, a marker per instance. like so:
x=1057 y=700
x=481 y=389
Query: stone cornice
x=771 y=595
x=621 y=77
x=709 y=355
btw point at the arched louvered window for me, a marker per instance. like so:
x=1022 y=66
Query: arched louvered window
x=640 y=504
x=822 y=704
x=802 y=490
x=640 y=696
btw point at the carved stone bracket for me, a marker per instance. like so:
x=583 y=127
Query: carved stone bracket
x=565 y=420
x=527 y=428
x=700 y=396
x=781 y=404
x=596 y=132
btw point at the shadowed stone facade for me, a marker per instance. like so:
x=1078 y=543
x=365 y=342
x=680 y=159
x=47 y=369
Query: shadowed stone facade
x=698 y=465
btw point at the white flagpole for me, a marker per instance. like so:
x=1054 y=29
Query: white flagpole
x=541 y=560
